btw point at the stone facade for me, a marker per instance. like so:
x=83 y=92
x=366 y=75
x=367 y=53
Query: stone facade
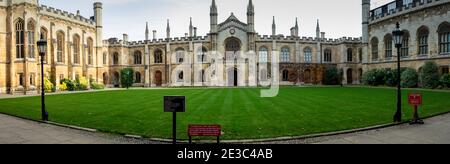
x=232 y=54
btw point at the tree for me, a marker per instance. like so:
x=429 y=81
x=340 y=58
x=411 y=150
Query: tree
x=409 y=78
x=430 y=75
x=332 y=76
x=127 y=77
x=445 y=80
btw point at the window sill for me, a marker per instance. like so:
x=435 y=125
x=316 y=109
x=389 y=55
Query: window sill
x=445 y=54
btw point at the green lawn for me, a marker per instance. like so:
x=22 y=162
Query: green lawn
x=241 y=112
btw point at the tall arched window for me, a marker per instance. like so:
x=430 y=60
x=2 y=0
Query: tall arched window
x=116 y=58
x=349 y=55
x=20 y=38
x=388 y=46
x=308 y=54
x=60 y=47
x=90 y=50
x=201 y=55
x=422 y=40
x=137 y=57
x=76 y=49
x=285 y=75
x=285 y=54
x=158 y=56
x=327 y=55
x=138 y=77
x=263 y=55
x=104 y=58
x=31 y=40
x=404 y=51
x=374 y=44
x=444 y=38
x=180 y=53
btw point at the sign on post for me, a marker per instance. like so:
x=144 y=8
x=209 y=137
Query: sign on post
x=415 y=100
x=174 y=104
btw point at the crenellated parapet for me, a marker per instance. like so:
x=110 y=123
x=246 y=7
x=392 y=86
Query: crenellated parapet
x=282 y=38
x=116 y=42
x=64 y=15
x=397 y=8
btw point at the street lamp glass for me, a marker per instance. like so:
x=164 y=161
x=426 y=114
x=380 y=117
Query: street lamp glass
x=42 y=47
x=398 y=35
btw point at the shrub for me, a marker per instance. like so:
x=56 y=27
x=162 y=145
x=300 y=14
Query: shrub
x=62 y=87
x=82 y=83
x=332 y=76
x=48 y=85
x=97 y=86
x=445 y=81
x=126 y=77
x=430 y=75
x=71 y=85
x=409 y=78
x=391 y=78
x=369 y=77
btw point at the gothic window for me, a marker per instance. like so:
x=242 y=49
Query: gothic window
x=285 y=54
x=20 y=49
x=263 y=55
x=349 y=55
x=285 y=75
x=444 y=38
x=31 y=40
x=116 y=58
x=180 y=54
x=404 y=50
x=104 y=58
x=76 y=49
x=374 y=44
x=158 y=56
x=422 y=39
x=327 y=55
x=21 y=80
x=180 y=76
x=138 y=77
x=360 y=54
x=388 y=46
x=32 y=79
x=59 y=47
x=308 y=55
x=201 y=55
x=137 y=57
x=90 y=50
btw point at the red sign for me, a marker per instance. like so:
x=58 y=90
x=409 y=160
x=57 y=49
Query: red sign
x=204 y=130
x=415 y=99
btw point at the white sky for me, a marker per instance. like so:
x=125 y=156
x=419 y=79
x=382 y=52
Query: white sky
x=338 y=18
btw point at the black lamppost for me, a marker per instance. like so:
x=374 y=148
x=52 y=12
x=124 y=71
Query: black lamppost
x=42 y=48
x=398 y=39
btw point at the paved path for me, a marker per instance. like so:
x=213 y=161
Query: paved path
x=19 y=131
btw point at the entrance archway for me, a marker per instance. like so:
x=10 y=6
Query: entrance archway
x=158 y=78
x=349 y=76
x=116 y=79
x=105 y=78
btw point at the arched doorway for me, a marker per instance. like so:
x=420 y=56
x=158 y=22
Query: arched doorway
x=307 y=76
x=116 y=79
x=233 y=77
x=158 y=78
x=349 y=76
x=105 y=78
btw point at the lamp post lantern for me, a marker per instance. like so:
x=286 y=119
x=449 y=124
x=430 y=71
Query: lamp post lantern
x=398 y=40
x=42 y=48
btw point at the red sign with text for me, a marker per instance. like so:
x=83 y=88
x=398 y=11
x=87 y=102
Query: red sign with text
x=415 y=99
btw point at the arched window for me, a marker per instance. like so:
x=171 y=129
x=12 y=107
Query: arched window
x=388 y=46
x=308 y=54
x=31 y=40
x=285 y=75
x=76 y=49
x=404 y=51
x=138 y=77
x=90 y=50
x=327 y=55
x=349 y=55
x=444 y=38
x=180 y=76
x=116 y=58
x=180 y=55
x=374 y=44
x=60 y=47
x=158 y=56
x=285 y=54
x=20 y=38
x=422 y=40
x=104 y=58
x=263 y=55
x=360 y=53
x=137 y=57
x=201 y=55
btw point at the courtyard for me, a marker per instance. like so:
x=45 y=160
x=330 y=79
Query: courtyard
x=242 y=113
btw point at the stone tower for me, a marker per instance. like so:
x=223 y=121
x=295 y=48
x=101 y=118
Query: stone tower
x=365 y=29
x=213 y=22
x=251 y=26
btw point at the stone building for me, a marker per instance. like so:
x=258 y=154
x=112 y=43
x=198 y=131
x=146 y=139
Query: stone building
x=231 y=54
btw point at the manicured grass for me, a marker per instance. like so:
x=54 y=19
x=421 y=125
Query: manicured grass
x=242 y=113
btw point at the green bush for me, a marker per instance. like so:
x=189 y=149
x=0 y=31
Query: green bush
x=391 y=78
x=374 y=77
x=445 y=81
x=97 y=86
x=430 y=75
x=126 y=77
x=82 y=83
x=409 y=78
x=48 y=85
x=63 y=87
x=332 y=76
x=71 y=85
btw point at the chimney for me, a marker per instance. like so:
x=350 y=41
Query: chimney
x=154 y=34
x=323 y=35
x=186 y=35
x=78 y=12
x=125 y=38
x=195 y=31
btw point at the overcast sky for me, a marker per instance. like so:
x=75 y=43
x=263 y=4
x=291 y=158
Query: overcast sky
x=338 y=18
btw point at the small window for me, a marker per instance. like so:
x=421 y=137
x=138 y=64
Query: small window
x=21 y=79
x=285 y=75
